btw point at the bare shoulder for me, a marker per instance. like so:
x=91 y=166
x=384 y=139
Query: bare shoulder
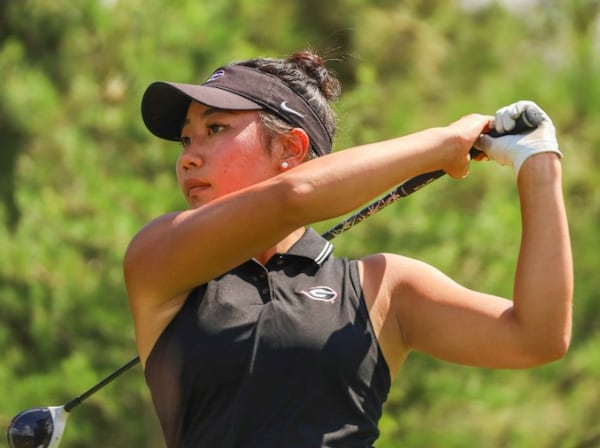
x=405 y=281
x=143 y=255
x=391 y=275
x=142 y=241
x=382 y=275
x=141 y=244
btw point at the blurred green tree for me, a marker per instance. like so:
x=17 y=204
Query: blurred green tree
x=79 y=175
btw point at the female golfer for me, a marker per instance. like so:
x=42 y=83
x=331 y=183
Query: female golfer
x=252 y=333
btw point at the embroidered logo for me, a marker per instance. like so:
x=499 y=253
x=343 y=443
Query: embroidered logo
x=321 y=293
x=216 y=75
x=284 y=107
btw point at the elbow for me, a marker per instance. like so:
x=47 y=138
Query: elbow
x=560 y=348
x=549 y=349
x=555 y=352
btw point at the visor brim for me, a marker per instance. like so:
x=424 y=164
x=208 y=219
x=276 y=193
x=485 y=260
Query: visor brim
x=165 y=105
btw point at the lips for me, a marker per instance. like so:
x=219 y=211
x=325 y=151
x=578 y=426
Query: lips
x=194 y=186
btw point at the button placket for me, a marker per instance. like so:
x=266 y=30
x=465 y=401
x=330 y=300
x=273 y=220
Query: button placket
x=262 y=284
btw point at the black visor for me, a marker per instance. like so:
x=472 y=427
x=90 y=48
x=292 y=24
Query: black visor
x=234 y=87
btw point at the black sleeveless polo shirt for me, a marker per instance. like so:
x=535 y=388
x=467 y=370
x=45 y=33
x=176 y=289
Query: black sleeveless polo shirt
x=282 y=355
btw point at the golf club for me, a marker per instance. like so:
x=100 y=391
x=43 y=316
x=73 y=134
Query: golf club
x=44 y=427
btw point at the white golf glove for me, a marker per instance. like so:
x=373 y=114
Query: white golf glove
x=513 y=150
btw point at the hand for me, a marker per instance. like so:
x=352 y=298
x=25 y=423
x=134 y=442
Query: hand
x=513 y=150
x=466 y=131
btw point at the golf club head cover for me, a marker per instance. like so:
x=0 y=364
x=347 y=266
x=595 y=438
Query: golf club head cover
x=514 y=149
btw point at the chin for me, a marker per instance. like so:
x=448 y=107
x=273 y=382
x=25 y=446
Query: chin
x=194 y=203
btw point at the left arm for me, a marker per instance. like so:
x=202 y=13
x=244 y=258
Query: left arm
x=414 y=306
x=448 y=321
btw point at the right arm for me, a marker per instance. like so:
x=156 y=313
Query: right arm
x=179 y=251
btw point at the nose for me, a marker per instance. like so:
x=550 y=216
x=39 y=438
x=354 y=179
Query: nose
x=190 y=159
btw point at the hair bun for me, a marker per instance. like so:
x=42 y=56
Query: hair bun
x=314 y=67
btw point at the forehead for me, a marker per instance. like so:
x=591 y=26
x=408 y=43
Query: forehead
x=199 y=111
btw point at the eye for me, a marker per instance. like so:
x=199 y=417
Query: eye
x=214 y=128
x=186 y=141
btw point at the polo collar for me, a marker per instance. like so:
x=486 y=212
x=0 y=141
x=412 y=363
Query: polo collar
x=312 y=245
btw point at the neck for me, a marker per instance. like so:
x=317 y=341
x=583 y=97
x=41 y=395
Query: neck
x=282 y=246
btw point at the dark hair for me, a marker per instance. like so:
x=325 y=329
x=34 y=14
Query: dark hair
x=306 y=73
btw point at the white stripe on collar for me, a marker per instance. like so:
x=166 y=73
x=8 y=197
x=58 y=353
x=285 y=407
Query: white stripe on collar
x=325 y=252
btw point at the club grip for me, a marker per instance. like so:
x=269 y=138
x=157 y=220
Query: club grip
x=529 y=119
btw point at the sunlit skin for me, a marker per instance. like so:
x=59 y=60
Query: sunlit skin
x=222 y=152
x=244 y=205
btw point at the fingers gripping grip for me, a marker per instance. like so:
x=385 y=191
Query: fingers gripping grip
x=512 y=146
x=527 y=120
x=530 y=118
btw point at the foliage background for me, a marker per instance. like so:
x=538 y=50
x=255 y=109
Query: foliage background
x=79 y=175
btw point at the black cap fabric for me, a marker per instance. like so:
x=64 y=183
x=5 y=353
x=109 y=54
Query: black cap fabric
x=234 y=87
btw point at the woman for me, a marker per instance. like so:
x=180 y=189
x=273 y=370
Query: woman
x=251 y=332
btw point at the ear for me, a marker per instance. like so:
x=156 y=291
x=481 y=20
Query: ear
x=296 y=146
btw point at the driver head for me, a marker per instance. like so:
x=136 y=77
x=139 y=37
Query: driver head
x=37 y=428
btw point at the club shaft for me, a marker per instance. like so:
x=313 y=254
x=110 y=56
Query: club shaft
x=404 y=189
x=79 y=399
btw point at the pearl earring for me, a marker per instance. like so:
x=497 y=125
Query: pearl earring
x=284 y=165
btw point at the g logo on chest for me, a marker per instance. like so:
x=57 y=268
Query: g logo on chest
x=321 y=294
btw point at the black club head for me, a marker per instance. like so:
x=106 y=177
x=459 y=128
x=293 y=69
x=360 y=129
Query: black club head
x=31 y=428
